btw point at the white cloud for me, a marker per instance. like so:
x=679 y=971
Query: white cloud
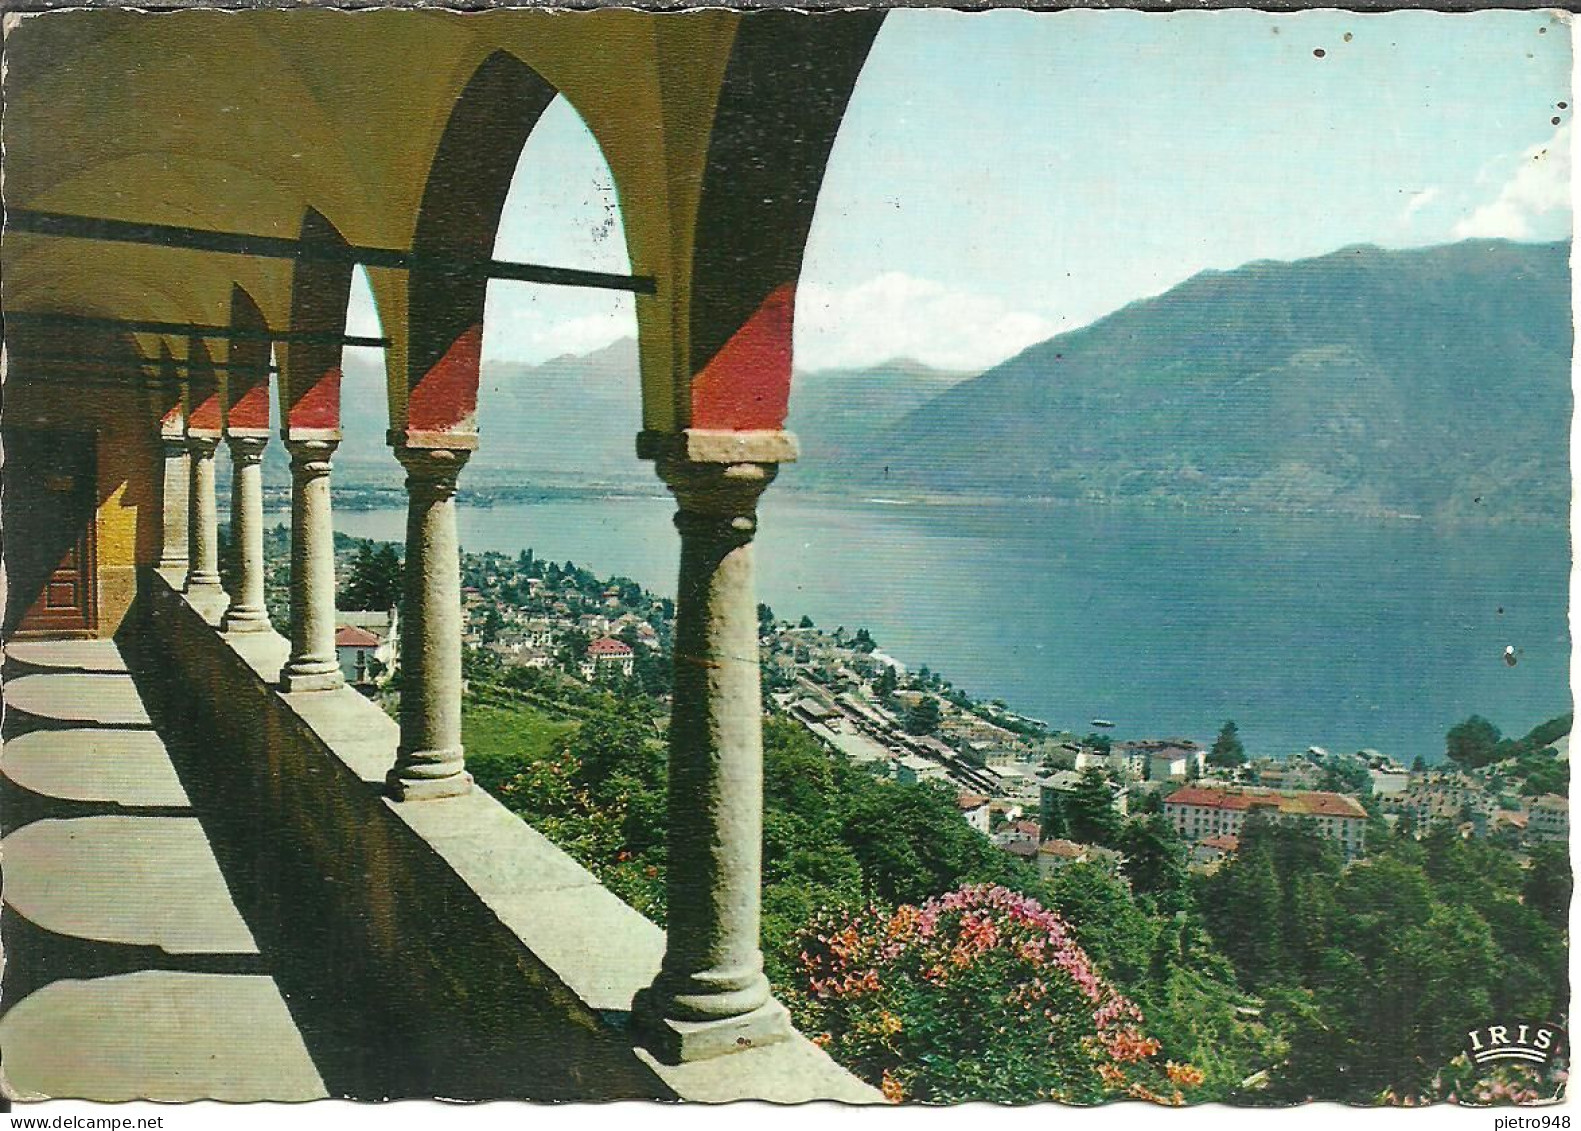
x=898 y=315
x=1420 y=200
x=1537 y=190
x=536 y=330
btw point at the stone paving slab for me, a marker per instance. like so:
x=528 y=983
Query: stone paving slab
x=137 y=881
x=121 y=767
x=79 y=655
x=157 y=1035
x=72 y=697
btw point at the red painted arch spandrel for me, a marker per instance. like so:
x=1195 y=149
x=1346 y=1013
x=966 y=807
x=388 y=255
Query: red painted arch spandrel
x=445 y=399
x=250 y=409
x=746 y=385
x=317 y=404
x=205 y=415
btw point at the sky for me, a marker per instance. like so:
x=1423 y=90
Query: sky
x=1000 y=177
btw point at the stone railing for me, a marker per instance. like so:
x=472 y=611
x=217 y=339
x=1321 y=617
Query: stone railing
x=436 y=949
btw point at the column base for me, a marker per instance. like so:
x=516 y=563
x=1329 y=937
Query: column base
x=310 y=680
x=245 y=620
x=208 y=598
x=682 y=1042
x=426 y=789
x=183 y=564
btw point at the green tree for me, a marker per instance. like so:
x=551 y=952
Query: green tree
x=1089 y=809
x=1102 y=743
x=1227 y=751
x=1547 y=884
x=923 y=718
x=1472 y=743
x=1155 y=862
x=1108 y=924
x=912 y=843
x=373 y=579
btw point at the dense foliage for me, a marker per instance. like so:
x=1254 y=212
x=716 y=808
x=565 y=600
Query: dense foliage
x=1372 y=973
x=978 y=994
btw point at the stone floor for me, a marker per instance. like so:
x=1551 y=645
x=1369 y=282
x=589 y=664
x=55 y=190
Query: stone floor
x=130 y=973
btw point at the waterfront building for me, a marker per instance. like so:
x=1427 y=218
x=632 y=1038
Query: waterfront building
x=1200 y=812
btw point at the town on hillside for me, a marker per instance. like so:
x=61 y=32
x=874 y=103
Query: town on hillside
x=1017 y=781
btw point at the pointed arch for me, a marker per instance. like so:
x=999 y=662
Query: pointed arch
x=310 y=370
x=773 y=128
x=247 y=378
x=459 y=215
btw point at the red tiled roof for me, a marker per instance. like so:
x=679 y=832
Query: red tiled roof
x=1297 y=804
x=1028 y=827
x=971 y=801
x=608 y=646
x=348 y=636
x=1228 y=842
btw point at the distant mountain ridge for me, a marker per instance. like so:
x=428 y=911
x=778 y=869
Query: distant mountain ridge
x=1432 y=382
x=573 y=420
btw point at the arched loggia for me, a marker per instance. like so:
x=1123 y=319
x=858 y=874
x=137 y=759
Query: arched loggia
x=310 y=373
x=773 y=129
x=246 y=435
x=458 y=218
x=467 y=184
x=774 y=124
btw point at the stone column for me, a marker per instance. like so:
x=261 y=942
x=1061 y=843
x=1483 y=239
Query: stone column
x=313 y=665
x=177 y=486
x=711 y=995
x=247 y=612
x=203 y=565
x=429 y=762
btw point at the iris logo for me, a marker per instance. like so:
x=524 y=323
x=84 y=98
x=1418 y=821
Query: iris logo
x=1519 y=1040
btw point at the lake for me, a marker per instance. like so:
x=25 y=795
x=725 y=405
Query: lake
x=1338 y=632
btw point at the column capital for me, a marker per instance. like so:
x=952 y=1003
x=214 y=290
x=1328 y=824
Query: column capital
x=173 y=447
x=435 y=470
x=713 y=445
x=311 y=457
x=247 y=449
x=202 y=445
x=717 y=497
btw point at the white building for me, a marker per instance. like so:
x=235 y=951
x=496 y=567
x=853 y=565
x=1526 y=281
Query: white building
x=975 y=808
x=607 y=654
x=1199 y=813
x=1549 y=818
x=367 y=645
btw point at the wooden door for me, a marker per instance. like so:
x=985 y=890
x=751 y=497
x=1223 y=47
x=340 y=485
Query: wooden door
x=50 y=504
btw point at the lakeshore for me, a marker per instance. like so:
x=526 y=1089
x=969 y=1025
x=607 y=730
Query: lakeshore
x=1336 y=633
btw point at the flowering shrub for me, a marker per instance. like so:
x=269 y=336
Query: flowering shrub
x=979 y=994
x=1497 y=1085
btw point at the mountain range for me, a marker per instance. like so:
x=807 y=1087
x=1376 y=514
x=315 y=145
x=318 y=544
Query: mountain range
x=573 y=420
x=1431 y=382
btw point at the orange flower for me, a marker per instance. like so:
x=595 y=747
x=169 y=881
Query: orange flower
x=888 y=1023
x=891 y=1088
x=1112 y=1077
x=1184 y=1074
